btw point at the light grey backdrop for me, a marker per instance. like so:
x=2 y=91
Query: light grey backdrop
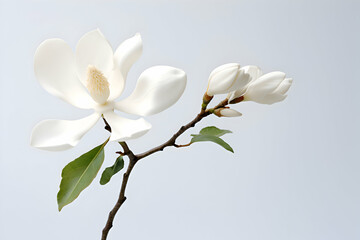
x=295 y=171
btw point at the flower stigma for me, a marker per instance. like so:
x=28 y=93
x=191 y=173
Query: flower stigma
x=97 y=85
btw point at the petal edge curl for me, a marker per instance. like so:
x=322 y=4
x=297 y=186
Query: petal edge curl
x=58 y=135
x=128 y=52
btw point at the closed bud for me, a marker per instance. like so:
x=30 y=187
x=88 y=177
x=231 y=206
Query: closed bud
x=268 y=89
x=226 y=112
x=227 y=78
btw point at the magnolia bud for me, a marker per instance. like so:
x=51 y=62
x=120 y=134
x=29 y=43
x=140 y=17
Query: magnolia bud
x=268 y=89
x=227 y=78
x=226 y=112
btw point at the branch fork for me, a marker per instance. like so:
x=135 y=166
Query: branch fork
x=134 y=158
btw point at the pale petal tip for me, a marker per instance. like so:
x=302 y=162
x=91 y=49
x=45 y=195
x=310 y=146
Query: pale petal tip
x=139 y=38
x=290 y=80
x=98 y=31
x=280 y=73
x=252 y=66
x=43 y=43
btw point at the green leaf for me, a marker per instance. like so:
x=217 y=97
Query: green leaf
x=203 y=138
x=110 y=171
x=78 y=174
x=214 y=131
x=212 y=134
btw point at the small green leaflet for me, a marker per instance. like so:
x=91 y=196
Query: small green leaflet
x=212 y=134
x=78 y=175
x=110 y=171
x=214 y=131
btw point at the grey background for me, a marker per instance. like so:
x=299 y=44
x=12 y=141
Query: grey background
x=295 y=171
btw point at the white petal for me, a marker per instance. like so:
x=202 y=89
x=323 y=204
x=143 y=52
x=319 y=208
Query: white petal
x=158 y=88
x=268 y=82
x=242 y=80
x=284 y=86
x=268 y=88
x=123 y=129
x=58 y=135
x=254 y=72
x=223 y=79
x=274 y=98
x=128 y=53
x=223 y=67
x=116 y=83
x=54 y=66
x=93 y=49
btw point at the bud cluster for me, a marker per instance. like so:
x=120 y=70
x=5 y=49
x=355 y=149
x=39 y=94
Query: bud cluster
x=245 y=84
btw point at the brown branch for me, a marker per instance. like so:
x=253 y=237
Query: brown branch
x=122 y=198
x=171 y=141
x=223 y=103
x=128 y=152
x=133 y=159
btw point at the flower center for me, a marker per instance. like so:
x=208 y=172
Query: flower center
x=97 y=85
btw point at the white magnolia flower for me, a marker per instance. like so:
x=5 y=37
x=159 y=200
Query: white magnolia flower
x=227 y=78
x=93 y=78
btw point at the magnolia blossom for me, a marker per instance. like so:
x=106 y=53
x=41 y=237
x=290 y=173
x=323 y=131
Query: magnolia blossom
x=266 y=89
x=93 y=78
x=227 y=78
x=269 y=88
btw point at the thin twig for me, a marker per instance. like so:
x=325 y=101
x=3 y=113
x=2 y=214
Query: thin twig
x=122 y=198
x=182 y=145
x=171 y=141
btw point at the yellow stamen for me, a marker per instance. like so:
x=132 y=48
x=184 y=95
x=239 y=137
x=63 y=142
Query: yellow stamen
x=97 y=85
